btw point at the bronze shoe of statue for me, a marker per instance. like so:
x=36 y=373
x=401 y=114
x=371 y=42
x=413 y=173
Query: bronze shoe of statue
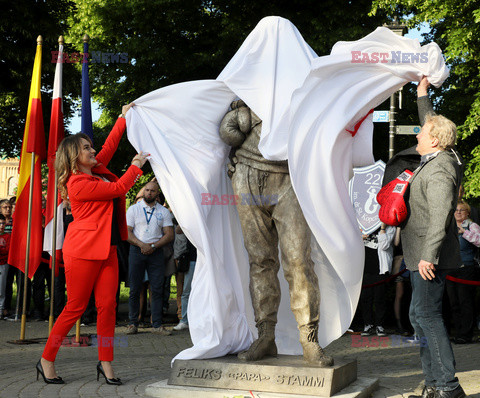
x=262 y=347
x=312 y=352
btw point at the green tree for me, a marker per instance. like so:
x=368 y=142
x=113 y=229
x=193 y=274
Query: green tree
x=455 y=28
x=171 y=41
x=20 y=24
x=165 y=41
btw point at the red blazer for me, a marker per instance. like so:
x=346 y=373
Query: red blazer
x=89 y=235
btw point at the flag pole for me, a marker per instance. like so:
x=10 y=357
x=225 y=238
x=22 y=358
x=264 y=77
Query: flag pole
x=77 y=331
x=54 y=238
x=27 y=257
x=86 y=102
x=54 y=256
x=25 y=248
x=86 y=126
x=19 y=279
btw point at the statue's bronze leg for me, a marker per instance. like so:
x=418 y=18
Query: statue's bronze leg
x=261 y=242
x=295 y=236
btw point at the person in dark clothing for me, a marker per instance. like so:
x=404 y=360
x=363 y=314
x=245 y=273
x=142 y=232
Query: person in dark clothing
x=60 y=282
x=378 y=264
x=191 y=257
x=462 y=296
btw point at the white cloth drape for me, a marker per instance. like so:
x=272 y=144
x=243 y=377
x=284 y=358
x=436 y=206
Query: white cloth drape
x=307 y=104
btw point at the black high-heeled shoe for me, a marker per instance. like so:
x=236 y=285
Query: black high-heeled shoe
x=56 y=380
x=112 y=381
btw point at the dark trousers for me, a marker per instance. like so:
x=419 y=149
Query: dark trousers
x=436 y=354
x=373 y=300
x=462 y=301
x=13 y=273
x=20 y=278
x=166 y=291
x=154 y=264
x=59 y=292
x=89 y=315
x=42 y=275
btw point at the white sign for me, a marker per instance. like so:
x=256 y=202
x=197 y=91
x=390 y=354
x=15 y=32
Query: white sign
x=363 y=189
x=408 y=130
x=381 y=116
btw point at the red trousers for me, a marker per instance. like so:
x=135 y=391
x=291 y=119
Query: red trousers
x=83 y=276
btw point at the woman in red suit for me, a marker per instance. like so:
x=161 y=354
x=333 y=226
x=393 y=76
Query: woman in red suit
x=98 y=206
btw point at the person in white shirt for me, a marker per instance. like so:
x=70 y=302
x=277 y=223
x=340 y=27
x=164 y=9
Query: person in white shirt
x=150 y=227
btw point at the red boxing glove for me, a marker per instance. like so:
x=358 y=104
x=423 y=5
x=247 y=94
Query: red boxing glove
x=393 y=210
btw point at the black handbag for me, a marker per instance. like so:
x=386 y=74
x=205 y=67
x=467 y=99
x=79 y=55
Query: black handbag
x=183 y=263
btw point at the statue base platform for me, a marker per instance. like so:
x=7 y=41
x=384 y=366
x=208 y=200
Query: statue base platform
x=283 y=376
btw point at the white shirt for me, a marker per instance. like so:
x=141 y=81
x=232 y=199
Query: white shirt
x=147 y=222
x=385 y=249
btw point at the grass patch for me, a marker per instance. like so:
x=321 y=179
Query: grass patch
x=125 y=291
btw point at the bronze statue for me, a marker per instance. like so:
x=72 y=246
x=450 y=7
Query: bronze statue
x=272 y=218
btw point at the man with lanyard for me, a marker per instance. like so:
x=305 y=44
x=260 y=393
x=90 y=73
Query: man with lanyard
x=150 y=228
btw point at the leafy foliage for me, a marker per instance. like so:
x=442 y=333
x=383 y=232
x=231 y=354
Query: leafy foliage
x=171 y=41
x=132 y=194
x=20 y=24
x=455 y=27
x=165 y=41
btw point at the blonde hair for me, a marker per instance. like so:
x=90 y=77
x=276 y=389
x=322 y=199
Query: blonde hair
x=66 y=161
x=465 y=205
x=443 y=129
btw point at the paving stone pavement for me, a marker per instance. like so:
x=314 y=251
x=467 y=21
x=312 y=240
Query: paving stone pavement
x=145 y=358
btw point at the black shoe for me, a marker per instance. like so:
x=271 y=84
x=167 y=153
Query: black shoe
x=380 y=331
x=462 y=340
x=457 y=393
x=427 y=392
x=112 y=381
x=56 y=380
x=402 y=332
x=368 y=330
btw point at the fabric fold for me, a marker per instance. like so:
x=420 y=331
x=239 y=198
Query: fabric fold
x=307 y=104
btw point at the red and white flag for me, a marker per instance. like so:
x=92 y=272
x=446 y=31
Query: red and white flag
x=33 y=143
x=56 y=135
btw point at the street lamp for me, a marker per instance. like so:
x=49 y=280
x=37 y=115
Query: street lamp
x=399 y=29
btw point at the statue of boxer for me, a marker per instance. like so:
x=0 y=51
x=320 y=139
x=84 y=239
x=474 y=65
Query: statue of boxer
x=272 y=218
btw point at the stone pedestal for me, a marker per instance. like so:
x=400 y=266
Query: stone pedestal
x=363 y=387
x=284 y=374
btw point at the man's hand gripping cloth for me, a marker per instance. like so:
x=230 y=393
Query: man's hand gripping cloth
x=307 y=104
x=393 y=209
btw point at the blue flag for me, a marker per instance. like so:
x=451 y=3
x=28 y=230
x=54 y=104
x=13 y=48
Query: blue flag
x=86 y=104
